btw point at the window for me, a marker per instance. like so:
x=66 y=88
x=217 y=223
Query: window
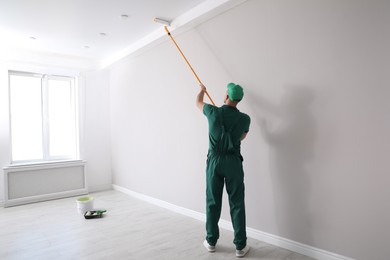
x=43 y=114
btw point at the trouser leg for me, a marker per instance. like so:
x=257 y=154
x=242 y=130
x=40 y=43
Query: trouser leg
x=214 y=190
x=236 y=191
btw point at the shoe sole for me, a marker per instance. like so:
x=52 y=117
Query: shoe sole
x=240 y=256
x=211 y=250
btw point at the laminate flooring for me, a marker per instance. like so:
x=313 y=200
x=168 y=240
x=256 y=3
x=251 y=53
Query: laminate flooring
x=131 y=229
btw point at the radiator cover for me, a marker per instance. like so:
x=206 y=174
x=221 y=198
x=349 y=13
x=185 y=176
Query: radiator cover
x=33 y=183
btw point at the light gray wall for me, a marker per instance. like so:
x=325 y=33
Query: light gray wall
x=316 y=72
x=4 y=127
x=96 y=148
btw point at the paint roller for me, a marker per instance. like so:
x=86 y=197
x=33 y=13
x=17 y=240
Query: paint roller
x=166 y=24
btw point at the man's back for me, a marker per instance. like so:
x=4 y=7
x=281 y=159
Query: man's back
x=226 y=119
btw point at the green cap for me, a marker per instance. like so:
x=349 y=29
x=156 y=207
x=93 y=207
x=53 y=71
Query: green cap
x=235 y=92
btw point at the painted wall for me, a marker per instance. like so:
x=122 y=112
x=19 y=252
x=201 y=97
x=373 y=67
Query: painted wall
x=96 y=149
x=4 y=126
x=317 y=88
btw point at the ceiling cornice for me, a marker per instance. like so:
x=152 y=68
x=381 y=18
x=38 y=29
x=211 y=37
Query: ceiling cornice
x=184 y=22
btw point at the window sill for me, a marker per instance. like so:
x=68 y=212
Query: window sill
x=46 y=164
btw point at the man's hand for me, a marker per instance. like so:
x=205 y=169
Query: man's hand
x=202 y=87
x=199 y=98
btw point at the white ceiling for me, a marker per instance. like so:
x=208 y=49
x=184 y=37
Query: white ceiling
x=66 y=27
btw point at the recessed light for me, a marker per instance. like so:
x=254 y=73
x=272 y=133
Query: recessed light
x=33 y=38
x=103 y=34
x=124 y=16
x=86 y=47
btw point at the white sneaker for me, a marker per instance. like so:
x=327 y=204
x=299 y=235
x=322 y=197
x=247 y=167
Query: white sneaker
x=208 y=247
x=242 y=252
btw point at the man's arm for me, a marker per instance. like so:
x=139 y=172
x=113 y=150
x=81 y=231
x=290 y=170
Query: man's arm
x=200 y=97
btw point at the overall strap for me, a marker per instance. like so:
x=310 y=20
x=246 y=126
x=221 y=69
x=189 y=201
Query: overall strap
x=225 y=143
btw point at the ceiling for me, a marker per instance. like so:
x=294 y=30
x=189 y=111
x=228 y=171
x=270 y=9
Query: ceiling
x=92 y=29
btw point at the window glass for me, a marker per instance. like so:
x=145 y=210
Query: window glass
x=26 y=117
x=43 y=117
x=62 y=135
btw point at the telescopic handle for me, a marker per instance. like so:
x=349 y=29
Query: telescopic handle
x=188 y=63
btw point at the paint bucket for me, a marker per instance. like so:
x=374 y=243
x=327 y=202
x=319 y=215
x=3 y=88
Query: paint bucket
x=84 y=204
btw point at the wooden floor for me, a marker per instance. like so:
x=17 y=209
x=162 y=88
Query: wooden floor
x=131 y=229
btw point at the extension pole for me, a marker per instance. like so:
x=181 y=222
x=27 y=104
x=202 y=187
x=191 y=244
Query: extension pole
x=184 y=57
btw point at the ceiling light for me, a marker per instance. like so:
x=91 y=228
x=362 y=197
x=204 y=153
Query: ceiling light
x=33 y=38
x=124 y=16
x=86 y=47
x=102 y=34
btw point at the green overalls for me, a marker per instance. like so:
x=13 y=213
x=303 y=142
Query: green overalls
x=224 y=165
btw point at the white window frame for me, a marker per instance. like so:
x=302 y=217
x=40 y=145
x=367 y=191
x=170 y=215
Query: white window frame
x=46 y=158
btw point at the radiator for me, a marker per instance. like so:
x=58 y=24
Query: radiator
x=40 y=182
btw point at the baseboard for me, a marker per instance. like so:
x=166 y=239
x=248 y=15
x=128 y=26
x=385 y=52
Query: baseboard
x=251 y=232
x=1 y=203
x=297 y=247
x=161 y=203
x=102 y=187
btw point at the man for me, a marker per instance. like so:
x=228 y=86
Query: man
x=227 y=128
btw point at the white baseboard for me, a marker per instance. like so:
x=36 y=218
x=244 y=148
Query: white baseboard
x=297 y=247
x=161 y=203
x=1 y=203
x=102 y=187
x=251 y=232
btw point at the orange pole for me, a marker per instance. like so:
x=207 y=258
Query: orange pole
x=189 y=65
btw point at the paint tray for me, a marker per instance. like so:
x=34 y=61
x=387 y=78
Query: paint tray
x=94 y=214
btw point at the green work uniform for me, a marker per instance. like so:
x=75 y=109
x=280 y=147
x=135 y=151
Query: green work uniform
x=224 y=165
